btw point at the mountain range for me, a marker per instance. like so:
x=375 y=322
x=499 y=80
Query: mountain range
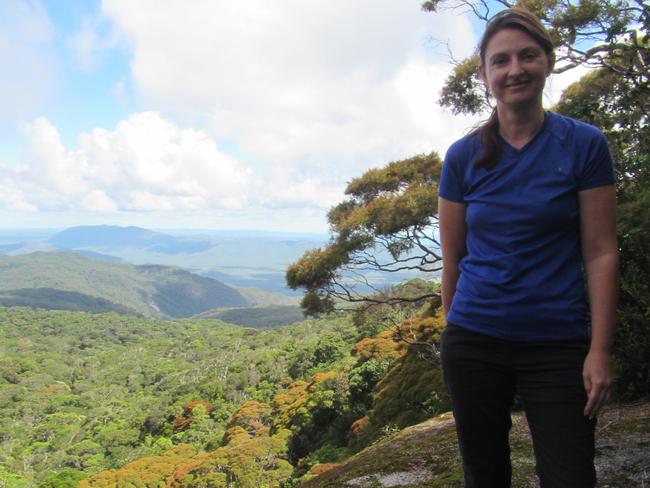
x=171 y=274
x=237 y=258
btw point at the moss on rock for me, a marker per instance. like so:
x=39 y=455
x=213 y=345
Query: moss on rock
x=403 y=459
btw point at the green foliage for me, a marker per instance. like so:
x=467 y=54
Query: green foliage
x=12 y=480
x=250 y=457
x=66 y=478
x=621 y=107
x=95 y=392
x=316 y=412
x=413 y=388
x=385 y=226
x=362 y=381
x=632 y=341
x=258 y=317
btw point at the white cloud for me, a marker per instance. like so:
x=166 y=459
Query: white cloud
x=85 y=44
x=269 y=108
x=147 y=163
x=30 y=72
x=311 y=94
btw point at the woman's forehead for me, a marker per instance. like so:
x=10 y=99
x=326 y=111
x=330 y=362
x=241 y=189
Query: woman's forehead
x=509 y=40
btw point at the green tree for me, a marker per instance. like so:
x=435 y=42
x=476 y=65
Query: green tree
x=386 y=225
x=66 y=478
x=362 y=380
x=10 y=480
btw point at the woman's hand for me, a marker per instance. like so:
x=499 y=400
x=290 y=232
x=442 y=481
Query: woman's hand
x=597 y=377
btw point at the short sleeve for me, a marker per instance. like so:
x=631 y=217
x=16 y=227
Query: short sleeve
x=451 y=178
x=598 y=168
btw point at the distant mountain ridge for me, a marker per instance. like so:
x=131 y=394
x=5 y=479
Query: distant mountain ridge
x=247 y=258
x=244 y=258
x=69 y=281
x=112 y=236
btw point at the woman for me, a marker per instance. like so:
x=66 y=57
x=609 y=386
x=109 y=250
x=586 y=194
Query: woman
x=526 y=209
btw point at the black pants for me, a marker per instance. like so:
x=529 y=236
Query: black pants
x=483 y=374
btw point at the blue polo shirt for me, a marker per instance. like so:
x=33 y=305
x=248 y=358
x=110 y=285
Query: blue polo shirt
x=522 y=277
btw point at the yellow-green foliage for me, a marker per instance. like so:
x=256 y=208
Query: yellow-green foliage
x=383 y=346
x=252 y=419
x=316 y=413
x=413 y=388
x=246 y=463
x=152 y=471
x=284 y=402
x=294 y=406
x=182 y=422
x=250 y=459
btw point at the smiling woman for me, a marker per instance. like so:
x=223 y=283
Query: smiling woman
x=515 y=70
x=526 y=204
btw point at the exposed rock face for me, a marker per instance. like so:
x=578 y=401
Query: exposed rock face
x=425 y=455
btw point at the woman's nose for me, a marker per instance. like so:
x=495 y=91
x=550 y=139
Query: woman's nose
x=515 y=68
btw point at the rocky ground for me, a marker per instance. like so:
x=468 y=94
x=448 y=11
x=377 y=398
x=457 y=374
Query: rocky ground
x=426 y=455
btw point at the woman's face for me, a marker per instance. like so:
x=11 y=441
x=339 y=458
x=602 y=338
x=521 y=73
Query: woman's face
x=515 y=69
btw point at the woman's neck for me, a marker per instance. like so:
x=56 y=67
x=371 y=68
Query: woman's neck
x=519 y=127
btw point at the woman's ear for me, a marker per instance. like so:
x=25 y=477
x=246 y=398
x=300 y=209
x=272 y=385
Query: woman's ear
x=551 y=63
x=481 y=74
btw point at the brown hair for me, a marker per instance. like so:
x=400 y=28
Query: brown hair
x=512 y=18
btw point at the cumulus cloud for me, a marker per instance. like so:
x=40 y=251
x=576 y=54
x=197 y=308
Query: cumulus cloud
x=269 y=108
x=311 y=94
x=147 y=163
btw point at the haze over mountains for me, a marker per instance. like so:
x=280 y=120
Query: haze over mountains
x=168 y=274
x=237 y=258
x=138 y=271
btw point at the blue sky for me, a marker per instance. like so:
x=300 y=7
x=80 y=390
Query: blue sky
x=213 y=114
x=74 y=97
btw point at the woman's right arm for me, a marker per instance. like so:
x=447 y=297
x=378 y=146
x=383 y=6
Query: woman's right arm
x=451 y=219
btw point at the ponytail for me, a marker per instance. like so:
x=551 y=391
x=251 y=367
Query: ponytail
x=489 y=136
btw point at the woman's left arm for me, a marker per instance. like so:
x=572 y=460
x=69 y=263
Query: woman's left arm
x=600 y=257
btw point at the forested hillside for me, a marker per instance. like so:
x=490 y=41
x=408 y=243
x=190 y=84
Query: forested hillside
x=69 y=281
x=81 y=393
x=109 y=398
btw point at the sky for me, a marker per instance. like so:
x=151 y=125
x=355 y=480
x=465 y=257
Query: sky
x=216 y=114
